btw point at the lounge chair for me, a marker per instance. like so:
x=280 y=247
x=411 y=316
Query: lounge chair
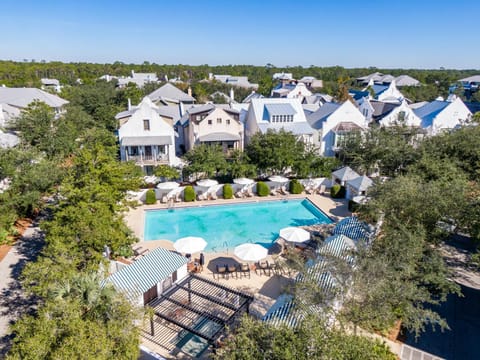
x=274 y=192
x=244 y=269
x=283 y=191
x=240 y=194
x=201 y=196
x=138 y=252
x=248 y=191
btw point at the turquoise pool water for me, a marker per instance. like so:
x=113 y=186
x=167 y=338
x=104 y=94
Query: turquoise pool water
x=226 y=226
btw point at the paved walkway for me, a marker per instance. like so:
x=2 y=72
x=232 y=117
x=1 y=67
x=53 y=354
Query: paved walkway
x=13 y=303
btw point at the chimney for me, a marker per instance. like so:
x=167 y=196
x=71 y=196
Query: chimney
x=189 y=91
x=181 y=108
x=210 y=76
x=232 y=95
x=129 y=104
x=133 y=73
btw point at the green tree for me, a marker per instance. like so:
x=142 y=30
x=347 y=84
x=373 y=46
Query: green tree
x=205 y=161
x=275 y=152
x=166 y=172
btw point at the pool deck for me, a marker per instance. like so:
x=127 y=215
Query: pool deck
x=265 y=289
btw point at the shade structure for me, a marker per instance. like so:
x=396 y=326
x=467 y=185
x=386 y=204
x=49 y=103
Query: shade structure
x=190 y=244
x=250 y=252
x=207 y=182
x=278 y=179
x=243 y=181
x=294 y=234
x=168 y=185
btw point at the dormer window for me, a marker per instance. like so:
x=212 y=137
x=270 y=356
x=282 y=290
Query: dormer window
x=146 y=125
x=280 y=113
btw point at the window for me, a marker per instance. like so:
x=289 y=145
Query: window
x=209 y=122
x=198 y=117
x=219 y=120
x=228 y=121
x=401 y=116
x=146 y=124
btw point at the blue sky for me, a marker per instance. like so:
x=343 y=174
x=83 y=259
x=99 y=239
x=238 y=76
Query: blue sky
x=349 y=33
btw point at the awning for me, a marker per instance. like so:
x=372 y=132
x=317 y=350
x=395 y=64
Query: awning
x=145 y=140
x=219 y=136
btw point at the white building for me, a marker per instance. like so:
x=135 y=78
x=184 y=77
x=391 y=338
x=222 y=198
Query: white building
x=145 y=137
x=438 y=116
x=275 y=114
x=334 y=122
x=14 y=100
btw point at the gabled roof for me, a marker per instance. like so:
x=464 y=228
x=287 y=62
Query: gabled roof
x=345 y=174
x=22 y=97
x=429 y=111
x=346 y=126
x=470 y=79
x=318 y=117
x=381 y=109
x=358 y=94
x=252 y=95
x=406 y=80
x=136 y=278
x=361 y=183
x=170 y=92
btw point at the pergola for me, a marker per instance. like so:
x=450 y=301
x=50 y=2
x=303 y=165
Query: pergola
x=200 y=306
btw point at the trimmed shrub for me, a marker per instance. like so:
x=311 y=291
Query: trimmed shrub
x=295 y=187
x=150 y=197
x=262 y=189
x=337 y=191
x=227 y=191
x=189 y=193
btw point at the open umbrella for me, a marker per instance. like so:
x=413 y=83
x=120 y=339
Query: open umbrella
x=278 y=179
x=250 y=252
x=190 y=244
x=294 y=234
x=243 y=181
x=168 y=185
x=207 y=182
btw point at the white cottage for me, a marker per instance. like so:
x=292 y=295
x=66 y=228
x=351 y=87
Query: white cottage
x=275 y=114
x=334 y=123
x=438 y=116
x=145 y=137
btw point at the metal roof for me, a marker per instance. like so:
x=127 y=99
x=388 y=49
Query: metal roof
x=280 y=109
x=136 y=278
x=22 y=97
x=169 y=91
x=429 y=111
x=296 y=128
x=360 y=183
x=345 y=174
x=219 y=136
x=145 y=140
x=318 y=117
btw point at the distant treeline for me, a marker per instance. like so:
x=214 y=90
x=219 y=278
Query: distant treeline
x=14 y=73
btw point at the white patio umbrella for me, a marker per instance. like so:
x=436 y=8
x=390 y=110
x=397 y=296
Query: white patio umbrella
x=168 y=185
x=243 y=181
x=190 y=244
x=207 y=182
x=294 y=234
x=278 y=179
x=250 y=252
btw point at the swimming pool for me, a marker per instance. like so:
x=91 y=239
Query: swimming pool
x=226 y=226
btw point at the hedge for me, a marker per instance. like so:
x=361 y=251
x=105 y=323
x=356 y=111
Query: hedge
x=337 y=191
x=295 y=187
x=150 y=197
x=262 y=189
x=227 y=191
x=189 y=193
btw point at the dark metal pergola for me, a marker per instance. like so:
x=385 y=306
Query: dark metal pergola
x=201 y=306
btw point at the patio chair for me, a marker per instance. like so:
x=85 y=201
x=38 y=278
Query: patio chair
x=264 y=266
x=274 y=192
x=244 y=269
x=249 y=191
x=283 y=191
x=232 y=270
x=201 y=196
x=221 y=270
x=239 y=194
